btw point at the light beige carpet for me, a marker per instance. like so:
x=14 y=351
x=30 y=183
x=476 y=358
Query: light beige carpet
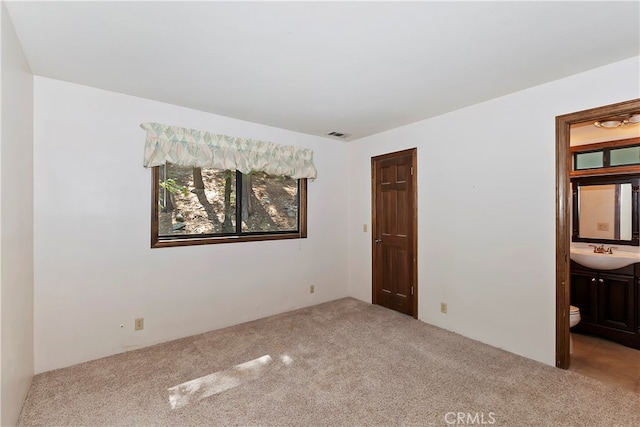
x=343 y=363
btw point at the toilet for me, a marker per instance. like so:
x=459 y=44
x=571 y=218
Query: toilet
x=574 y=319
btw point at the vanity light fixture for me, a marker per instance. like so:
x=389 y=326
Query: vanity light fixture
x=632 y=120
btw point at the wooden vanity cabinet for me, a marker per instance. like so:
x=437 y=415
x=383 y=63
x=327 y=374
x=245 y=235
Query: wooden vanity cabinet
x=609 y=302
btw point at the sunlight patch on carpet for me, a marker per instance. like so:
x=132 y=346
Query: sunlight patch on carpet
x=203 y=387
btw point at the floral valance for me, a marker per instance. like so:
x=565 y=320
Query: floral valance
x=190 y=147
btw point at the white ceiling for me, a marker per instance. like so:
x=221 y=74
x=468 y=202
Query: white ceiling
x=314 y=67
x=587 y=133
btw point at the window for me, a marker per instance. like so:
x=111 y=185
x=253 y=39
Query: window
x=194 y=206
x=215 y=188
x=604 y=158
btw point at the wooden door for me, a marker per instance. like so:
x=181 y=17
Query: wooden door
x=394 y=231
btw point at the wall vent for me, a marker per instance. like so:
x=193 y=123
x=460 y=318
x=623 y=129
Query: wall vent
x=338 y=135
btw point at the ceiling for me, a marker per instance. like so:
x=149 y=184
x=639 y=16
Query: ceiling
x=358 y=68
x=587 y=133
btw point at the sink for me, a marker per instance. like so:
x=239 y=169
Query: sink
x=618 y=259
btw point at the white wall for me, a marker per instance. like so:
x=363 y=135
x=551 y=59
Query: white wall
x=486 y=182
x=16 y=224
x=486 y=201
x=94 y=269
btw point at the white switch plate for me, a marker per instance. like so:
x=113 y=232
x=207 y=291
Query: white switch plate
x=364 y=227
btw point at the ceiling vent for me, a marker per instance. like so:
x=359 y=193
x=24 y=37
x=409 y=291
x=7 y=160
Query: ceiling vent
x=338 y=135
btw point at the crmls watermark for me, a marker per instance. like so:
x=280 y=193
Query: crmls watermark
x=470 y=418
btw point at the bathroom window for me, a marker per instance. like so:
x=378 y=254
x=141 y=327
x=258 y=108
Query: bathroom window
x=611 y=157
x=590 y=160
x=625 y=156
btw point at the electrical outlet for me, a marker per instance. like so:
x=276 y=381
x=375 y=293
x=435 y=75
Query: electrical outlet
x=139 y=324
x=443 y=307
x=312 y=289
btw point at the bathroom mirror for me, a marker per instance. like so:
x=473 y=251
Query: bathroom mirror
x=605 y=210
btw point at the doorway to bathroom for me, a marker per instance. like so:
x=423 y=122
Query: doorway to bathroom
x=563 y=211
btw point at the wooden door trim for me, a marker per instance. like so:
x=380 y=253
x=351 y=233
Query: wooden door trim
x=563 y=200
x=414 y=238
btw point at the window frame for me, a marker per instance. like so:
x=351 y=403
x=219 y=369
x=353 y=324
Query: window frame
x=207 y=239
x=605 y=148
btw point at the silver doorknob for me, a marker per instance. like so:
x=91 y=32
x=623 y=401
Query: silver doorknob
x=378 y=240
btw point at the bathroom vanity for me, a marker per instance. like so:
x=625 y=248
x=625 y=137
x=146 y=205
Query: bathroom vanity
x=609 y=302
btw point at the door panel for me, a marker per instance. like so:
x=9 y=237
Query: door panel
x=615 y=301
x=394 y=204
x=584 y=295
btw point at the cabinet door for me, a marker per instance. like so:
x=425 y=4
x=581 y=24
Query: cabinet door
x=584 y=294
x=615 y=301
x=637 y=307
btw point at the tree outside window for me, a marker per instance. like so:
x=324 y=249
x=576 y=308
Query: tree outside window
x=201 y=206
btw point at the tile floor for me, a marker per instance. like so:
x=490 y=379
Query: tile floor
x=606 y=361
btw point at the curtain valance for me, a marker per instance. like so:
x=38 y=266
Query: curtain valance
x=196 y=148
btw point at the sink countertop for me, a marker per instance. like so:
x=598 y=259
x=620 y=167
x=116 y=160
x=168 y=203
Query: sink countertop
x=622 y=256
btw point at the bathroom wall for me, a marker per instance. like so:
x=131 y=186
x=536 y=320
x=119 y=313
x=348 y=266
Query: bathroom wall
x=486 y=209
x=94 y=268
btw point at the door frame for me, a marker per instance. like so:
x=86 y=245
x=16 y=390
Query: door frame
x=563 y=209
x=414 y=182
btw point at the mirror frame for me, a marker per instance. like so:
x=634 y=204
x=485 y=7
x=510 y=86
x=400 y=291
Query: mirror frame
x=576 y=183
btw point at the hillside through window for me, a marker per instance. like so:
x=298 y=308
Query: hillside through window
x=201 y=206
